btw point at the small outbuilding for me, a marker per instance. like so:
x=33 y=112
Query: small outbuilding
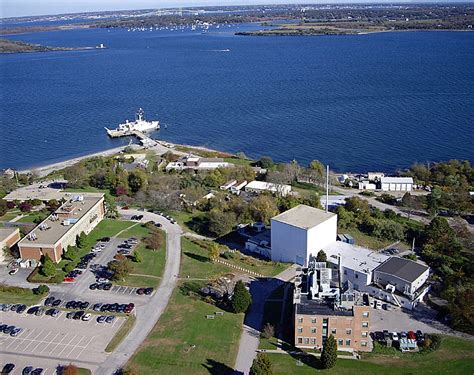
x=396 y=183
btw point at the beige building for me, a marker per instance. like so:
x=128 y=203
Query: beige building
x=80 y=213
x=8 y=238
x=322 y=309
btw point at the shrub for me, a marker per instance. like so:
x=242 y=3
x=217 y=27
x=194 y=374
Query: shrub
x=241 y=300
x=261 y=365
x=329 y=354
x=268 y=331
x=68 y=267
x=41 y=289
x=48 y=268
x=69 y=370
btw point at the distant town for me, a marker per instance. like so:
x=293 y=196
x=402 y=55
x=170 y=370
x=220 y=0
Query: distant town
x=267 y=267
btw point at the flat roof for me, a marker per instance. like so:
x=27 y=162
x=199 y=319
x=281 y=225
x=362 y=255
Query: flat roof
x=303 y=216
x=265 y=185
x=7 y=232
x=396 y=180
x=402 y=268
x=308 y=306
x=354 y=257
x=75 y=209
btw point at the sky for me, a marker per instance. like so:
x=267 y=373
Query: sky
x=17 y=8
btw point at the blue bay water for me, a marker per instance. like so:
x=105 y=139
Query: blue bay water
x=367 y=102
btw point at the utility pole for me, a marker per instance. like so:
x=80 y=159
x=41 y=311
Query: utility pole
x=327 y=187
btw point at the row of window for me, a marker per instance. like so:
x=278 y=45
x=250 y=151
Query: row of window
x=340 y=342
x=334 y=330
x=365 y=314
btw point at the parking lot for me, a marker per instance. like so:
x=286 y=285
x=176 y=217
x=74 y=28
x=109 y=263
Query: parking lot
x=60 y=339
x=397 y=320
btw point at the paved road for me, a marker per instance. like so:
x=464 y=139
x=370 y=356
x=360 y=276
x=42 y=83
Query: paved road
x=148 y=315
x=260 y=290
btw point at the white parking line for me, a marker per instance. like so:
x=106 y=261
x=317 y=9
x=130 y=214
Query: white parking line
x=131 y=291
x=84 y=347
x=66 y=345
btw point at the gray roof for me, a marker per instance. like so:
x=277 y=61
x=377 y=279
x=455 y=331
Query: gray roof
x=303 y=216
x=404 y=269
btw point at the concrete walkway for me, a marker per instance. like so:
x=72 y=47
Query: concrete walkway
x=148 y=316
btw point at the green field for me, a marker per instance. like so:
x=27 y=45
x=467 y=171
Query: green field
x=455 y=356
x=238 y=161
x=168 y=349
x=196 y=264
x=11 y=294
x=153 y=262
x=121 y=333
x=364 y=240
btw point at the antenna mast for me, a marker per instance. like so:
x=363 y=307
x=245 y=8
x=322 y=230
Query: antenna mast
x=327 y=187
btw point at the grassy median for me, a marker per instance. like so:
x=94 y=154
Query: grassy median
x=121 y=333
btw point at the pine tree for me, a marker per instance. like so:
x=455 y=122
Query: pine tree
x=48 y=268
x=261 y=365
x=321 y=257
x=241 y=299
x=329 y=354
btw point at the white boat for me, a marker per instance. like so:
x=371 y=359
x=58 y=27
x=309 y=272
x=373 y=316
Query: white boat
x=139 y=125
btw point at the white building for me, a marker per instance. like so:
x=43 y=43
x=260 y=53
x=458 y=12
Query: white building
x=300 y=232
x=396 y=183
x=366 y=185
x=261 y=186
x=196 y=163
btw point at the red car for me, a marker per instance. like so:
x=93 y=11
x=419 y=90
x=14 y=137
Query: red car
x=69 y=279
x=411 y=335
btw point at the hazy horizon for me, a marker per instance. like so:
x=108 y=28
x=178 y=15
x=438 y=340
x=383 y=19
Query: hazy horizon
x=24 y=8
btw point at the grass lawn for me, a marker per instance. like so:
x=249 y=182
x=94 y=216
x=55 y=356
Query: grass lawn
x=238 y=161
x=121 y=333
x=187 y=220
x=196 y=264
x=83 y=371
x=32 y=216
x=11 y=294
x=153 y=262
x=455 y=356
x=9 y=215
x=168 y=349
x=264 y=267
x=367 y=241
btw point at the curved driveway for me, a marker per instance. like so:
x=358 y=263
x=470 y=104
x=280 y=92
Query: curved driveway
x=148 y=315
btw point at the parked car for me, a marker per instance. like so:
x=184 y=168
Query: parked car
x=96 y=307
x=105 y=239
x=49 y=301
x=70 y=315
x=101 y=319
x=387 y=306
x=27 y=370
x=148 y=291
x=107 y=286
x=386 y=335
x=411 y=335
x=56 y=303
x=86 y=317
x=141 y=291
x=13 y=271
x=8 y=368
x=37 y=371
x=39 y=311
x=21 y=309
x=93 y=286
x=110 y=319
x=16 y=332
x=394 y=336
x=403 y=335
x=78 y=315
x=378 y=305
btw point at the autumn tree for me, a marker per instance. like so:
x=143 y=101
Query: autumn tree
x=214 y=251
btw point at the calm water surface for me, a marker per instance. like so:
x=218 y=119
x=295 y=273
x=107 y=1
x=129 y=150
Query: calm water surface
x=379 y=101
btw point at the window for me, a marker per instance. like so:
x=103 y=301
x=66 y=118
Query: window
x=363 y=343
x=306 y=341
x=357 y=275
x=313 y=341
x=313 y=320
x=300 y=329
x=313 y=330
x=365 y=314
x=333 y=331
x=300 y=340
x=348 y=342
x=340 y=342
x=348 y=331
x=300 y=320
x=364 y=334
x=365 y=324
x=345 y=272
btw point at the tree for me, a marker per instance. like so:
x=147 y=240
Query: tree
x=317 y=171
x=72 y=253
x=137 y=180
x=266 y=162
x=214 y=251
x=25 y=206
x=48 y=268
x=3 y=207
x=69 y=267
x=268 y=331
x=41 y=289
x=321 y=257
x=81 y=240
x=261 y=365
x=69 y=370
x=120 y=268
x=137 y=258
x=263 y=208
x=76 y=175
x=154 y=241
x=221 y=222
x=241 y=299
x=53 y=205
x=329 y=353
x=433 y=200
